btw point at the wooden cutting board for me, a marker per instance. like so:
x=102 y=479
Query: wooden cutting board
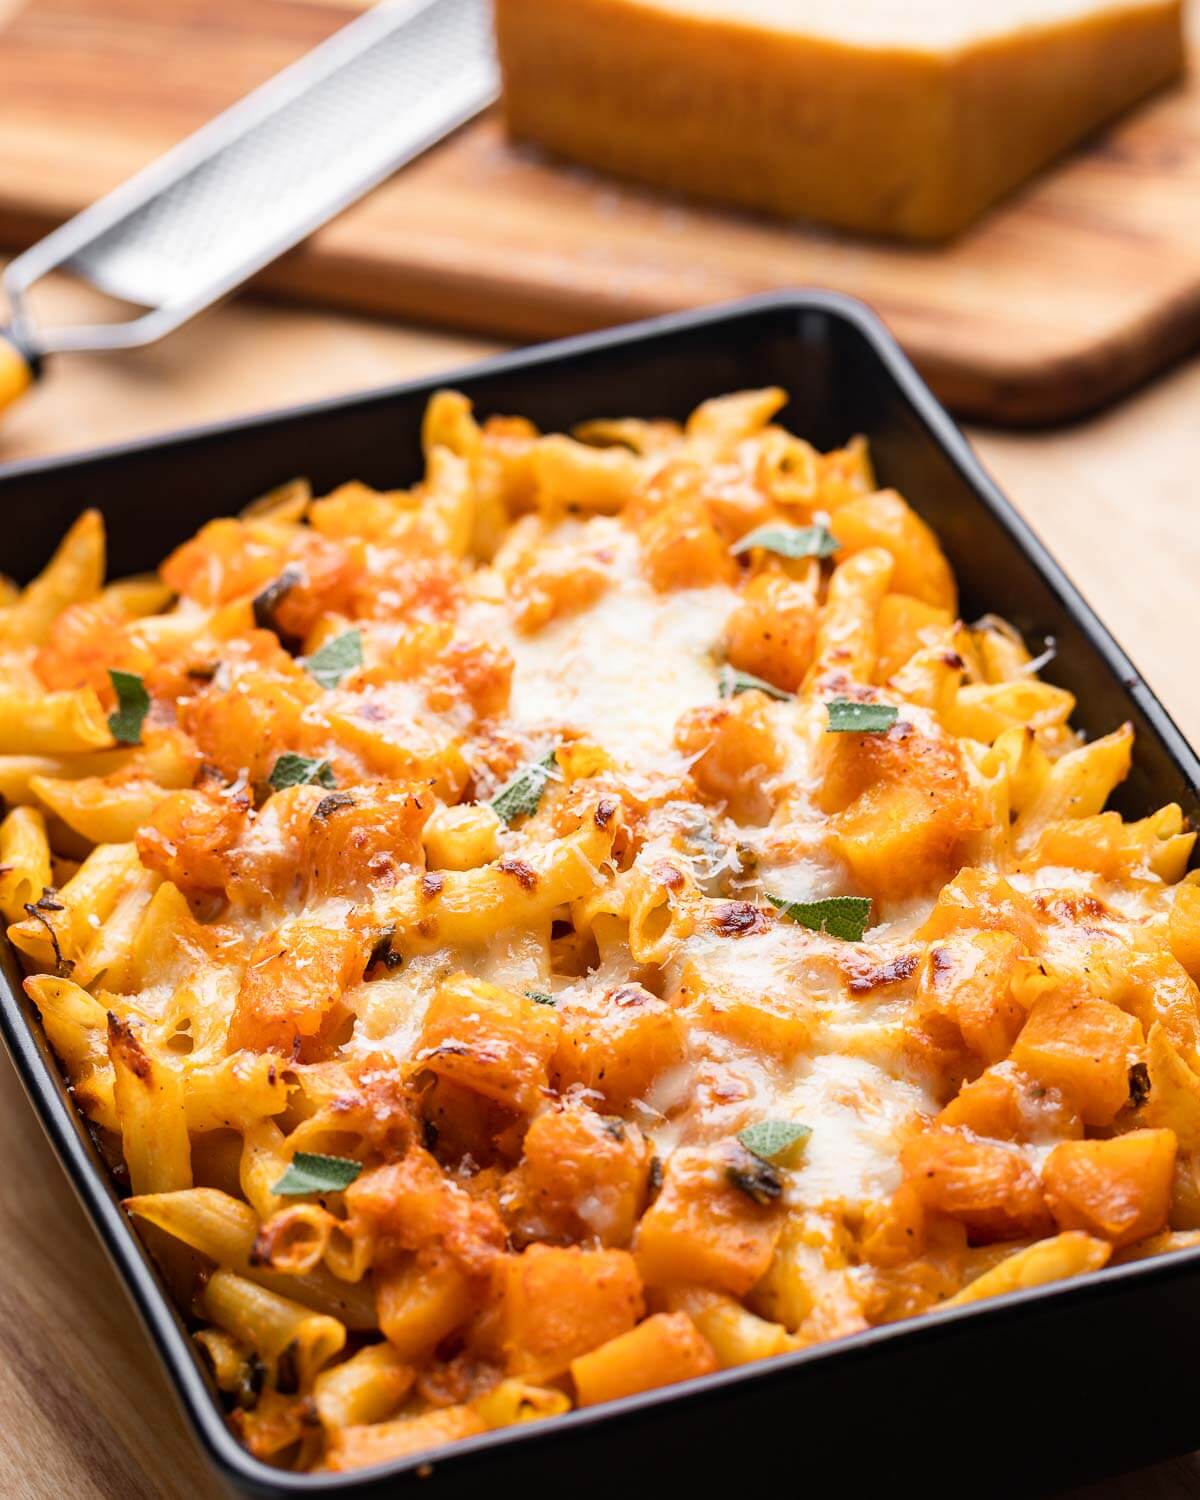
x=1083 y=285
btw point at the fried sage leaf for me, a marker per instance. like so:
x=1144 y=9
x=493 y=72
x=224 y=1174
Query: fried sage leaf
x=789 y=541
x=520 y=795
x=299 y=770
x=335 y=658
x=848 y=717
x=845 y=917
x=310 y=1172
x=133 y=704
x=777 y=1141
x=733 y=683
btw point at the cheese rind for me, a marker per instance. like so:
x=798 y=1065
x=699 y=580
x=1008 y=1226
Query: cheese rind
x=893 y=121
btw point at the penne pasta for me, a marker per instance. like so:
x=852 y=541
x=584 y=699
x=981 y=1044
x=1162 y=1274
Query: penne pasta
x=225 y=1230
x=847 y=640
x=73 y=574
x=52 y=723
x=24 y=861
x=149 y=1102
x=367 y=1387
x=588 y=918
x=102 y=813
x=273 y=1326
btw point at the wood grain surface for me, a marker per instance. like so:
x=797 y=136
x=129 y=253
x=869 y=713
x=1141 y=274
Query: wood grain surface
x=1067 y=295
x=84 y=1409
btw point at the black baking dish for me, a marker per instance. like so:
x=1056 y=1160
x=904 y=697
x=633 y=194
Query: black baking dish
x=1031 y=1390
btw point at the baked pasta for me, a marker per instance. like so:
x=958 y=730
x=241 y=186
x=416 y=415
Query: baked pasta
x=593 y=918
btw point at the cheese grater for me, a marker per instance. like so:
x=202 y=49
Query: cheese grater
x=256 y=180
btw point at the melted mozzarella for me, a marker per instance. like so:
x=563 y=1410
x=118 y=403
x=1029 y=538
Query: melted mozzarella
x=391 y=1010
x=856 y=1112
x=782 y=960
x=622 y=671
x=850 y=1089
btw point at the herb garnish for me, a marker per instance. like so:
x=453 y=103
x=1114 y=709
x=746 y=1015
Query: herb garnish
x=775 y=1140
x=789 y=541
x=250 y=1382
x=133 y=704
x=520 y=795
x=383 y=953
x=540 y=997
x=310 y=1172
x=37 y=910
x=299 y=770
x=733 y=683
x=758 y=1179
x=335 y=658
x=845 y=917
x=266 y=604
x=848 y=717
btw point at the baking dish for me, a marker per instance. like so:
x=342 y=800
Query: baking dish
x=1003 y=1390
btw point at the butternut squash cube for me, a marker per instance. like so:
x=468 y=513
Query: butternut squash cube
x=968 y=980
x=1118 y=1190
x=369 y=842
x=559 y=1303
x=682 y=549
x=417 y=1205
x=583 y=1176
x=900 y=623
x=420 y=1300
x=1083 y=1047
x=1008 y=1106
x=661 y=1351
x=904 y=838
x=978 y=898
x=246 y=727
x=894 y=1232
x=990 y=1189
x=779 y=1025
x=886 y=520
x=490 y=1040
x=771 y=632
x=735 y=746
x=618 y=1043
x=903 y=806
x=705 y=1228
x=290 y=995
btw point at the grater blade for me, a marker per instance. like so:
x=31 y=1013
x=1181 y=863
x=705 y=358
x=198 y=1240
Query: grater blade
x=260 y=177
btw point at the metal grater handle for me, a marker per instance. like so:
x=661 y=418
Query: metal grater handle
x=260 y=177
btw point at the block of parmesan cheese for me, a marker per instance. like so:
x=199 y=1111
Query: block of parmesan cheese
x=900 y=117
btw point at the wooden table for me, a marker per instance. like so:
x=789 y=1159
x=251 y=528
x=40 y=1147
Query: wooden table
x=84 y=1410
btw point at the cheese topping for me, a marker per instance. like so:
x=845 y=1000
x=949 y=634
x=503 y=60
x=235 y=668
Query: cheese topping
x=623 y=670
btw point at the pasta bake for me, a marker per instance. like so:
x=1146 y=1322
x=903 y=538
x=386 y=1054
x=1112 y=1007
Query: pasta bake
x=593 y=918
